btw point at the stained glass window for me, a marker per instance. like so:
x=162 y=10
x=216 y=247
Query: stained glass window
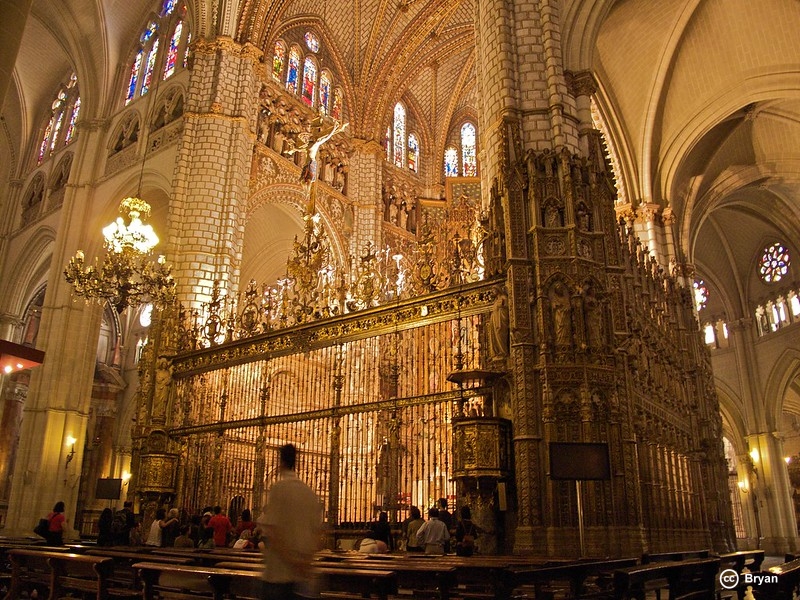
x=149 y=32
x=292 y=71
x=172 y=53
x=338 y=103
x=76 y=108
x=774 y=263
x=309 y=81
x=312 y=42
x=137 y=64
x=46 y=139
x=169 y=6
x=324 y=92
x=468 y=157
x=399 y=135
x=60 y=128
x=277 y=60
x=451 y=162
x=56 y=130
x=387 y=143
x=700 y=294
x=148 y=73
x=413 y=153
x=186 y=54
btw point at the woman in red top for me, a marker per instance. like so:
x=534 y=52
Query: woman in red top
x=57 y=525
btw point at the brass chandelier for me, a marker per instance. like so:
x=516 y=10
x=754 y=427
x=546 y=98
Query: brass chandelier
x=127 y=276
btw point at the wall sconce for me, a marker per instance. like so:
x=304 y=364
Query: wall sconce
x=126 y=477
x=71 y=445
x=743 y=486
x=755 y=455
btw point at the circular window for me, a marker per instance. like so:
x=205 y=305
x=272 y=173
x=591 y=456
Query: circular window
x=311 y=41
x=700 y=294
x=774 y=263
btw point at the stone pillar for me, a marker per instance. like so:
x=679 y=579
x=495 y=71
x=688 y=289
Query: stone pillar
x=207 y=212
x=364 y=187
x=57 y=405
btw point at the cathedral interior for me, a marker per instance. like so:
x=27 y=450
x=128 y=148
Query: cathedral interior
x=437 y=245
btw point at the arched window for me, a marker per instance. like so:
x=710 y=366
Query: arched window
x=700 y=294
x=148 y=72
x=309 y=81
x=134 y=80
x=468 y=156
x=168 y=32
x=71 y=127
x=186 y=53
x=60 y=128
x=172 y=52
x=338 y=104
x=324 y=92
x=399 y=135
x=292 y=72
x=278 y=58
x=774 y=263
x=413 y=153
x=451 y=162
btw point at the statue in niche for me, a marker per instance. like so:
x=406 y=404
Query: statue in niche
x=393 y=208
x=403 y=215
x=582 y=218
x=163 y=380
x=562 y=315
x=553 y=216
x=594 y=319
x=499 y=326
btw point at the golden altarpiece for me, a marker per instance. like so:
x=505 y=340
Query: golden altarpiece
x=441 y=363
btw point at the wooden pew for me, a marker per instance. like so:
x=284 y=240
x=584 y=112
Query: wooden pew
x=737 y=561
x=187 y=582
x=686 y=580
x=574 y=575
x=657 y=557
x=124 y=580
x=59 y=572
x=785 y=586
x=436 y=577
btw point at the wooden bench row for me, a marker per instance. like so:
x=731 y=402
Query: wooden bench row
x=110 y=573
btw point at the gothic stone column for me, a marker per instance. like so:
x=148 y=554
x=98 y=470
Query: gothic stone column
x=211 y=178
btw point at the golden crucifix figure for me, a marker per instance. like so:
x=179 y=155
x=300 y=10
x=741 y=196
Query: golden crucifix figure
x=312 y=141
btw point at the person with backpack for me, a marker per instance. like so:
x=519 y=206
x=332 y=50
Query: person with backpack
x=466 y=532
x=124 y=521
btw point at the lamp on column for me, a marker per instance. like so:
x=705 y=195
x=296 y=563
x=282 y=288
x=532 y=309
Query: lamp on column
x=70 y=443
x=127 y=276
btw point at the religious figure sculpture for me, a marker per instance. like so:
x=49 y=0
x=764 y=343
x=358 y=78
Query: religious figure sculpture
x=163 y=379
x=499 y=326
x=562 y=315
x=594 y=320
x=312 y=142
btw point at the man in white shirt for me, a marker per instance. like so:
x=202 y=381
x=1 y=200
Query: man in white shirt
x=291 y=523
x=433 y=534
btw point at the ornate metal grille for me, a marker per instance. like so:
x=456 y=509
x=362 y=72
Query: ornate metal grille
x=370 y=418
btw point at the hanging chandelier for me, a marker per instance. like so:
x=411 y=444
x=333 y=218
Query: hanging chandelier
x=127 y=276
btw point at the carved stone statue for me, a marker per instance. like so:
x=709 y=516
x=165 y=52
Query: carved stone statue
x=499 y=326
x=562 y=315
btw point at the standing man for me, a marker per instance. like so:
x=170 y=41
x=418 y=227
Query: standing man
x=221 y=525
x=291 y=524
